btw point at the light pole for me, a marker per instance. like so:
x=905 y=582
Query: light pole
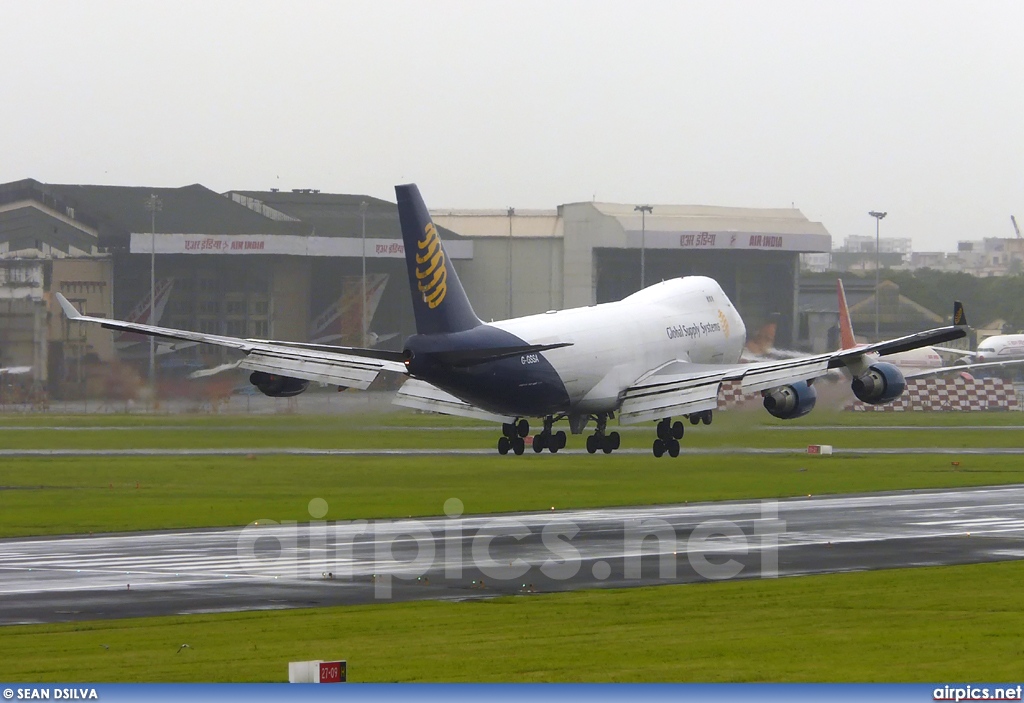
x=154 y=205
x=878 y=219
x=511 y=212
x=643 y=210
x=362 y=213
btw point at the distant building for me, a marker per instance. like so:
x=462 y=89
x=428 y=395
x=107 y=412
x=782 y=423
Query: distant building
x=585 y=253
x=992 y=256
x=858 y=253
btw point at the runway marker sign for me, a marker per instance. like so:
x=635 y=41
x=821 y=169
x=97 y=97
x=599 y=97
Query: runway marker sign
x=318 y=671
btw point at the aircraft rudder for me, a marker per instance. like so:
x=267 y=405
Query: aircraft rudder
x=439 y=302
x=847 y=340
x=959 y=316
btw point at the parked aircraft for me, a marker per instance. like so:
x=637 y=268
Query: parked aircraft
x=659 y=353
x=924 y=361
x=999 y=348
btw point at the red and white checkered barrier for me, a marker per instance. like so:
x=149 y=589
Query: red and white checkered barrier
x=949 y=394
x=730 y=396
x=933 y=395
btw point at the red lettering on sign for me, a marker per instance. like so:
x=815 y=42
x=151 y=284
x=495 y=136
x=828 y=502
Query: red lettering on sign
x=332 y=672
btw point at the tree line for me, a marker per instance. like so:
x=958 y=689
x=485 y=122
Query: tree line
x=985 y=299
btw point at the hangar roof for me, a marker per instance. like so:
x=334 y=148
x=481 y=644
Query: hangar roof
x=114 y=212
x=495 y=223
x=192 y=209
x=712 y=217
x=329 y=214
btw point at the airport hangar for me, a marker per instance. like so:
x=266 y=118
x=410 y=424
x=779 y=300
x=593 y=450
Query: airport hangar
x=275 y=264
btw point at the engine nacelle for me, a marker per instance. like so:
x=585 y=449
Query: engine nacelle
x=790 y=402
x=277 y=386
x=883 y=383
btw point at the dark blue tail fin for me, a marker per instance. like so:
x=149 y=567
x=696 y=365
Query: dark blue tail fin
x=438 y=299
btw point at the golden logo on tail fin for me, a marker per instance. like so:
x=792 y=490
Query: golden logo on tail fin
x=430 y=265
x=958 y=314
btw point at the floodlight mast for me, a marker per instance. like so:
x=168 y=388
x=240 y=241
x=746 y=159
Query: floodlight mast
x=878 y=218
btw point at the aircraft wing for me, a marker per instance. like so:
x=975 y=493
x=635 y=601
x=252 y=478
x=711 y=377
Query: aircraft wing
x=680 y=387
x=421 y=395
x=343 y=366
x=961 y=368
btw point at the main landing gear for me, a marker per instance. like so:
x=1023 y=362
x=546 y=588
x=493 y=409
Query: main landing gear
x=669 y=433
x=512 y=437
x=607 y=443
x=552 y=441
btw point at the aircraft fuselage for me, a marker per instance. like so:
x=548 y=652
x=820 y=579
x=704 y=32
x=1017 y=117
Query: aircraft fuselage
x=613 y=344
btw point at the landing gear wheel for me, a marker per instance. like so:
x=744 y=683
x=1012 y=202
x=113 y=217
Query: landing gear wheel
x=559 y=441
x=606 y=444
x=518 y=445
x=664 y=430
x=677 y=430
x=503 y=445
x=539 y=443
x=673 y=448
x=508 y=429
x=523 y=428
x=614 y=440
x=706 y=417
x=591 y=444
x=695 y=418
x=659 y=448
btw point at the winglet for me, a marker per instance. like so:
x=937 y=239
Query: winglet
x=959 y=316
x=68 y=308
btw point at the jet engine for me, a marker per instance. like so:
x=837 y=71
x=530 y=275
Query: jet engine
x=790 y=402
x=277 y=386
x=881 y=384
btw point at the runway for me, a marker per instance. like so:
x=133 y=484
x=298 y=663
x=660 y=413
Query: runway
x=313 y=451
x=271 y=566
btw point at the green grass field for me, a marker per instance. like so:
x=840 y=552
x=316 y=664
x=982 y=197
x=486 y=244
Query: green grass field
x=415 y=430
x=932 y=624
x=944 y=623
x=80 y=495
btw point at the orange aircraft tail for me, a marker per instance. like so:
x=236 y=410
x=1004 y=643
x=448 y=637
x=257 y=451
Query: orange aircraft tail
x=846 y=338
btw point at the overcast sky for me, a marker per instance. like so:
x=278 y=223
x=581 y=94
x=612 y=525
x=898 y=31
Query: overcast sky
x=916 y=108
